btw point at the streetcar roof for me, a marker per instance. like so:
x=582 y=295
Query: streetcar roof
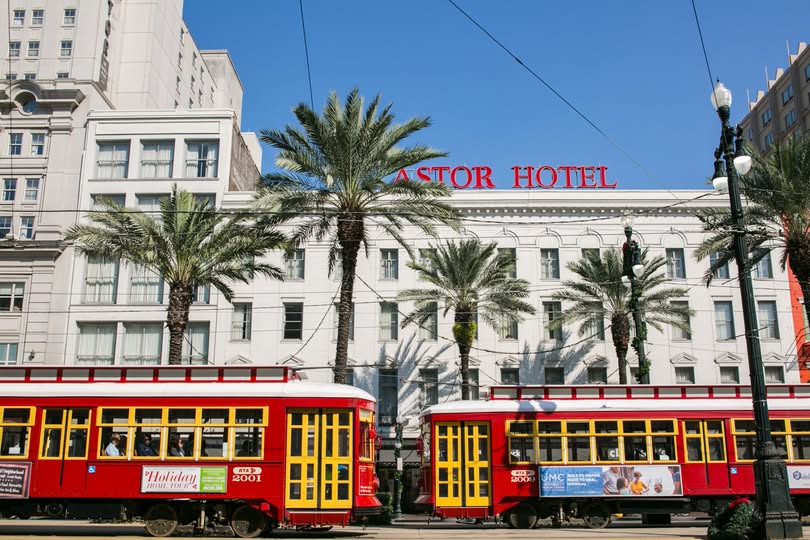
x=548 y=406
x=213 y=389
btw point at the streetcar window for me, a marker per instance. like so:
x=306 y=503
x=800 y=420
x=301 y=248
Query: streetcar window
x=14 y=432
x=218 y=417
x=114 y=416
x=78 y=426
x=182 y=416
x=550 y=441
x=521 y=442
x=366 y=442
x=715 y=440
x=579 y=448
x=607 y=449
x=519 y=428
x=745 y=440
x=16 y=416
x=247 y=441
x=693 y=433
x=54 y=416
x=779 y=434
x=250 y=416
x=148 y=416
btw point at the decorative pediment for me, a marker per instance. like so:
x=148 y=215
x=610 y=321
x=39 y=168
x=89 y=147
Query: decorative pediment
x=773 y=358
x=683 y=359
x=728 y=358
x=239 y=360
x=291 y=361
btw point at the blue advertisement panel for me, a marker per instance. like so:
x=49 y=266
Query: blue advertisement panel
x=611 y=481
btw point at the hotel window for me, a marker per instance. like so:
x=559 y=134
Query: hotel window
x=194 y=60
x=37 y=16
x=69 y=17
x=9 y=189
x=11 y=296
x=33 y=48
x=389 y=264
x=766 y=117
x=195 y=344
x=177 y=85
x=549 y=264
x=190 y=103
x=388 y=380
x=14 y=49
x=113 y=159
x=429 y=386
x=157 y=158
x=241 y=321
x=724 y=320
x=182 y=35
x=201 y=294
x=554 y=375
x=8 y=354
x=96 y=343
x=790 y=118
x=146 y=286
x=27 y=227
x=11 y=76
x=474 y=380
x=199 y=97
x=588 y=253
x=66 y=48
x=192 y=83
x=293 y=320
x=510 y=376
x=763 y=269
x=429 y=329
x=596 y=329
x=30 y=77
x=787 y=94
x=201 y=158
x=721 y=272
x=336 y=320
x=551 y=312
x=296 y=264
x=507 y=328
x=597 y=375
x=769 y=139
x=37 y=144
x=729 y=375
x=774 y=374
x=31 y=190
x=684 y=375
x=389 y=321
x=682 y=334
x=676 y=266
x=62 y=75
x=180 y=61
x=15 y=144
x=19 y=17
x=101 y=280
x=150 y=204
x=768 y=320
x=5 y=226
x=142 y=343
x=511 y=255
x=100 y=199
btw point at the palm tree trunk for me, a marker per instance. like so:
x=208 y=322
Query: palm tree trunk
x=177 y=320
x=464 y=333
x=350 y=231
x=620 y=332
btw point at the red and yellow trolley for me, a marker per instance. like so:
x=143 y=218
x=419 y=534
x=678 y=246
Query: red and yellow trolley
x=200 y=446
x=532 y=452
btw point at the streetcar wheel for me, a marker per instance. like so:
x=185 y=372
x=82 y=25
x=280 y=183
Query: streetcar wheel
x=160 y=520
x=522 y=516
x=247 y=522
x=596 y=515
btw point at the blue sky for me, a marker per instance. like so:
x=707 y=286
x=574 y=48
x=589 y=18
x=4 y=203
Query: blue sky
x=634 y=68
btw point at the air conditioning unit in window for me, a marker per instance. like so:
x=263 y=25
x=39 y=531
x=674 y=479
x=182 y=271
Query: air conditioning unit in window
x=10 y=237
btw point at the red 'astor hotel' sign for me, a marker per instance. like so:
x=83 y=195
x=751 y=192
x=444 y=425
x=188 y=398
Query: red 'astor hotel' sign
x=543 y=176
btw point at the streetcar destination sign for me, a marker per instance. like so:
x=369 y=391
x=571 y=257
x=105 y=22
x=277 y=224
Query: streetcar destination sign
x=527 y=176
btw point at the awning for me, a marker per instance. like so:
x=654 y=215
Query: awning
x=385 y=458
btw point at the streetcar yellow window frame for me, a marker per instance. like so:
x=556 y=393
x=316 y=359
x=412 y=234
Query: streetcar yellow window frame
x=10 y=427
x=366 y=442
x=520 y=439
x=744 y=433
x=799 y=434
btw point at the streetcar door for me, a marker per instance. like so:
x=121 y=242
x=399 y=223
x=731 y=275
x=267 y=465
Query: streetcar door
x=62 y=463
x=706 y=461
x=462 y=464
x=448 y=464
x=476 y=464
x=319 y=459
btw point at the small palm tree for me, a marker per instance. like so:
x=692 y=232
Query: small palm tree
x=474 y=281
x=599 y=294
x=336 y=181
x=189 y=243
x=778 y=215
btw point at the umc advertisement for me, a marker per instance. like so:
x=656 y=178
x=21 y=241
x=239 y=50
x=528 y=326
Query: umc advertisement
x=611 y=481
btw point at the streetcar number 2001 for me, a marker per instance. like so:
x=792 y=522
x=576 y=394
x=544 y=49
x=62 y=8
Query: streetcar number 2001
x=246 y=474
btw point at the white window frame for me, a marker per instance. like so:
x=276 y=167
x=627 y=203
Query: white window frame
x=37 y=17
x=597 y=375
x=13 y=293
x=18 y=17
x=14 y=48
x=289 y=326
x=676 y=264
x=512 y=252
x=771 y=370
x=389 y=264
x=677 y=333
x=195 y=343
x=31 y=190
x=720 y=273
x=202 y=166
x=429 y=386
x=37 y=144
x=429 y=330
x=145 y=286
x=552 y=311
x=295 y=262
x=768 y=319
x=553 y=374
x=242 y=321
x=729 y=374
x=9 y=189
x=508 y=329
x=549 y=263
x=5 y=226
x=33 y=48
x=8 y=354
x=27 y=227
x=510 y=375
x=69 y=17
x=143 y=343
x=684 y=374
x=66 y=48
x=15 y=141
x=157 y=159
x=724 y=320
x=389 y=321
x=117 y=164
x=97 y=334
x=764 y=268
x=101 y=273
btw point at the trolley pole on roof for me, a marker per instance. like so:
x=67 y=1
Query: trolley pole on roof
x=398 y=474
x=774 y=516
x=633 y=270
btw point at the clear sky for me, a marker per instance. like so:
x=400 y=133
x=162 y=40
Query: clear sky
x=634 y=68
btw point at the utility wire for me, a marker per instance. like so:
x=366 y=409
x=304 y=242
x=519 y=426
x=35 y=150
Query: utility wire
x=306 y=52
x=703 y=45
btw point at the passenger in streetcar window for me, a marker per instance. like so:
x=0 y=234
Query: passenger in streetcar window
x=112 y=448
x=122 y=445
x=145 y=446
x=176 y=448
x=246 y=450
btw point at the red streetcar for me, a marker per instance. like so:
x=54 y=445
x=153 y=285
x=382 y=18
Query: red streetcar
x=532 y=452
x=201 y=446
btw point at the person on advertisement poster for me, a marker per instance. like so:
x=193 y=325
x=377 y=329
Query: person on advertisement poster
x=637 y=486
x=609 y=478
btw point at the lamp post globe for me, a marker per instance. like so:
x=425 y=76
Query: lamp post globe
x=774 y=516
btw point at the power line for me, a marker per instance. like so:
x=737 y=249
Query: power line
x=306 y=52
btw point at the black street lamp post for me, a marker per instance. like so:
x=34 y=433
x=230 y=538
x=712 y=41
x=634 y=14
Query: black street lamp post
x=633 y=270
x=398 y=473
x=773 y=503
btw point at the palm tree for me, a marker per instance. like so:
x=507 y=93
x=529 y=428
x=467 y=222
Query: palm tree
x=474 y=281
x=599 y=294
x=189 y=243
x=778 y=215
x=335 y=182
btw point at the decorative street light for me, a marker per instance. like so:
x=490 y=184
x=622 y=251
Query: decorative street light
x=398 y=473
x=775 y=516
x=632 y=270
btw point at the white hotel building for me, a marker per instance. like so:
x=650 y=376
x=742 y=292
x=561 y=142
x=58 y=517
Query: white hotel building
x=122 y=104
